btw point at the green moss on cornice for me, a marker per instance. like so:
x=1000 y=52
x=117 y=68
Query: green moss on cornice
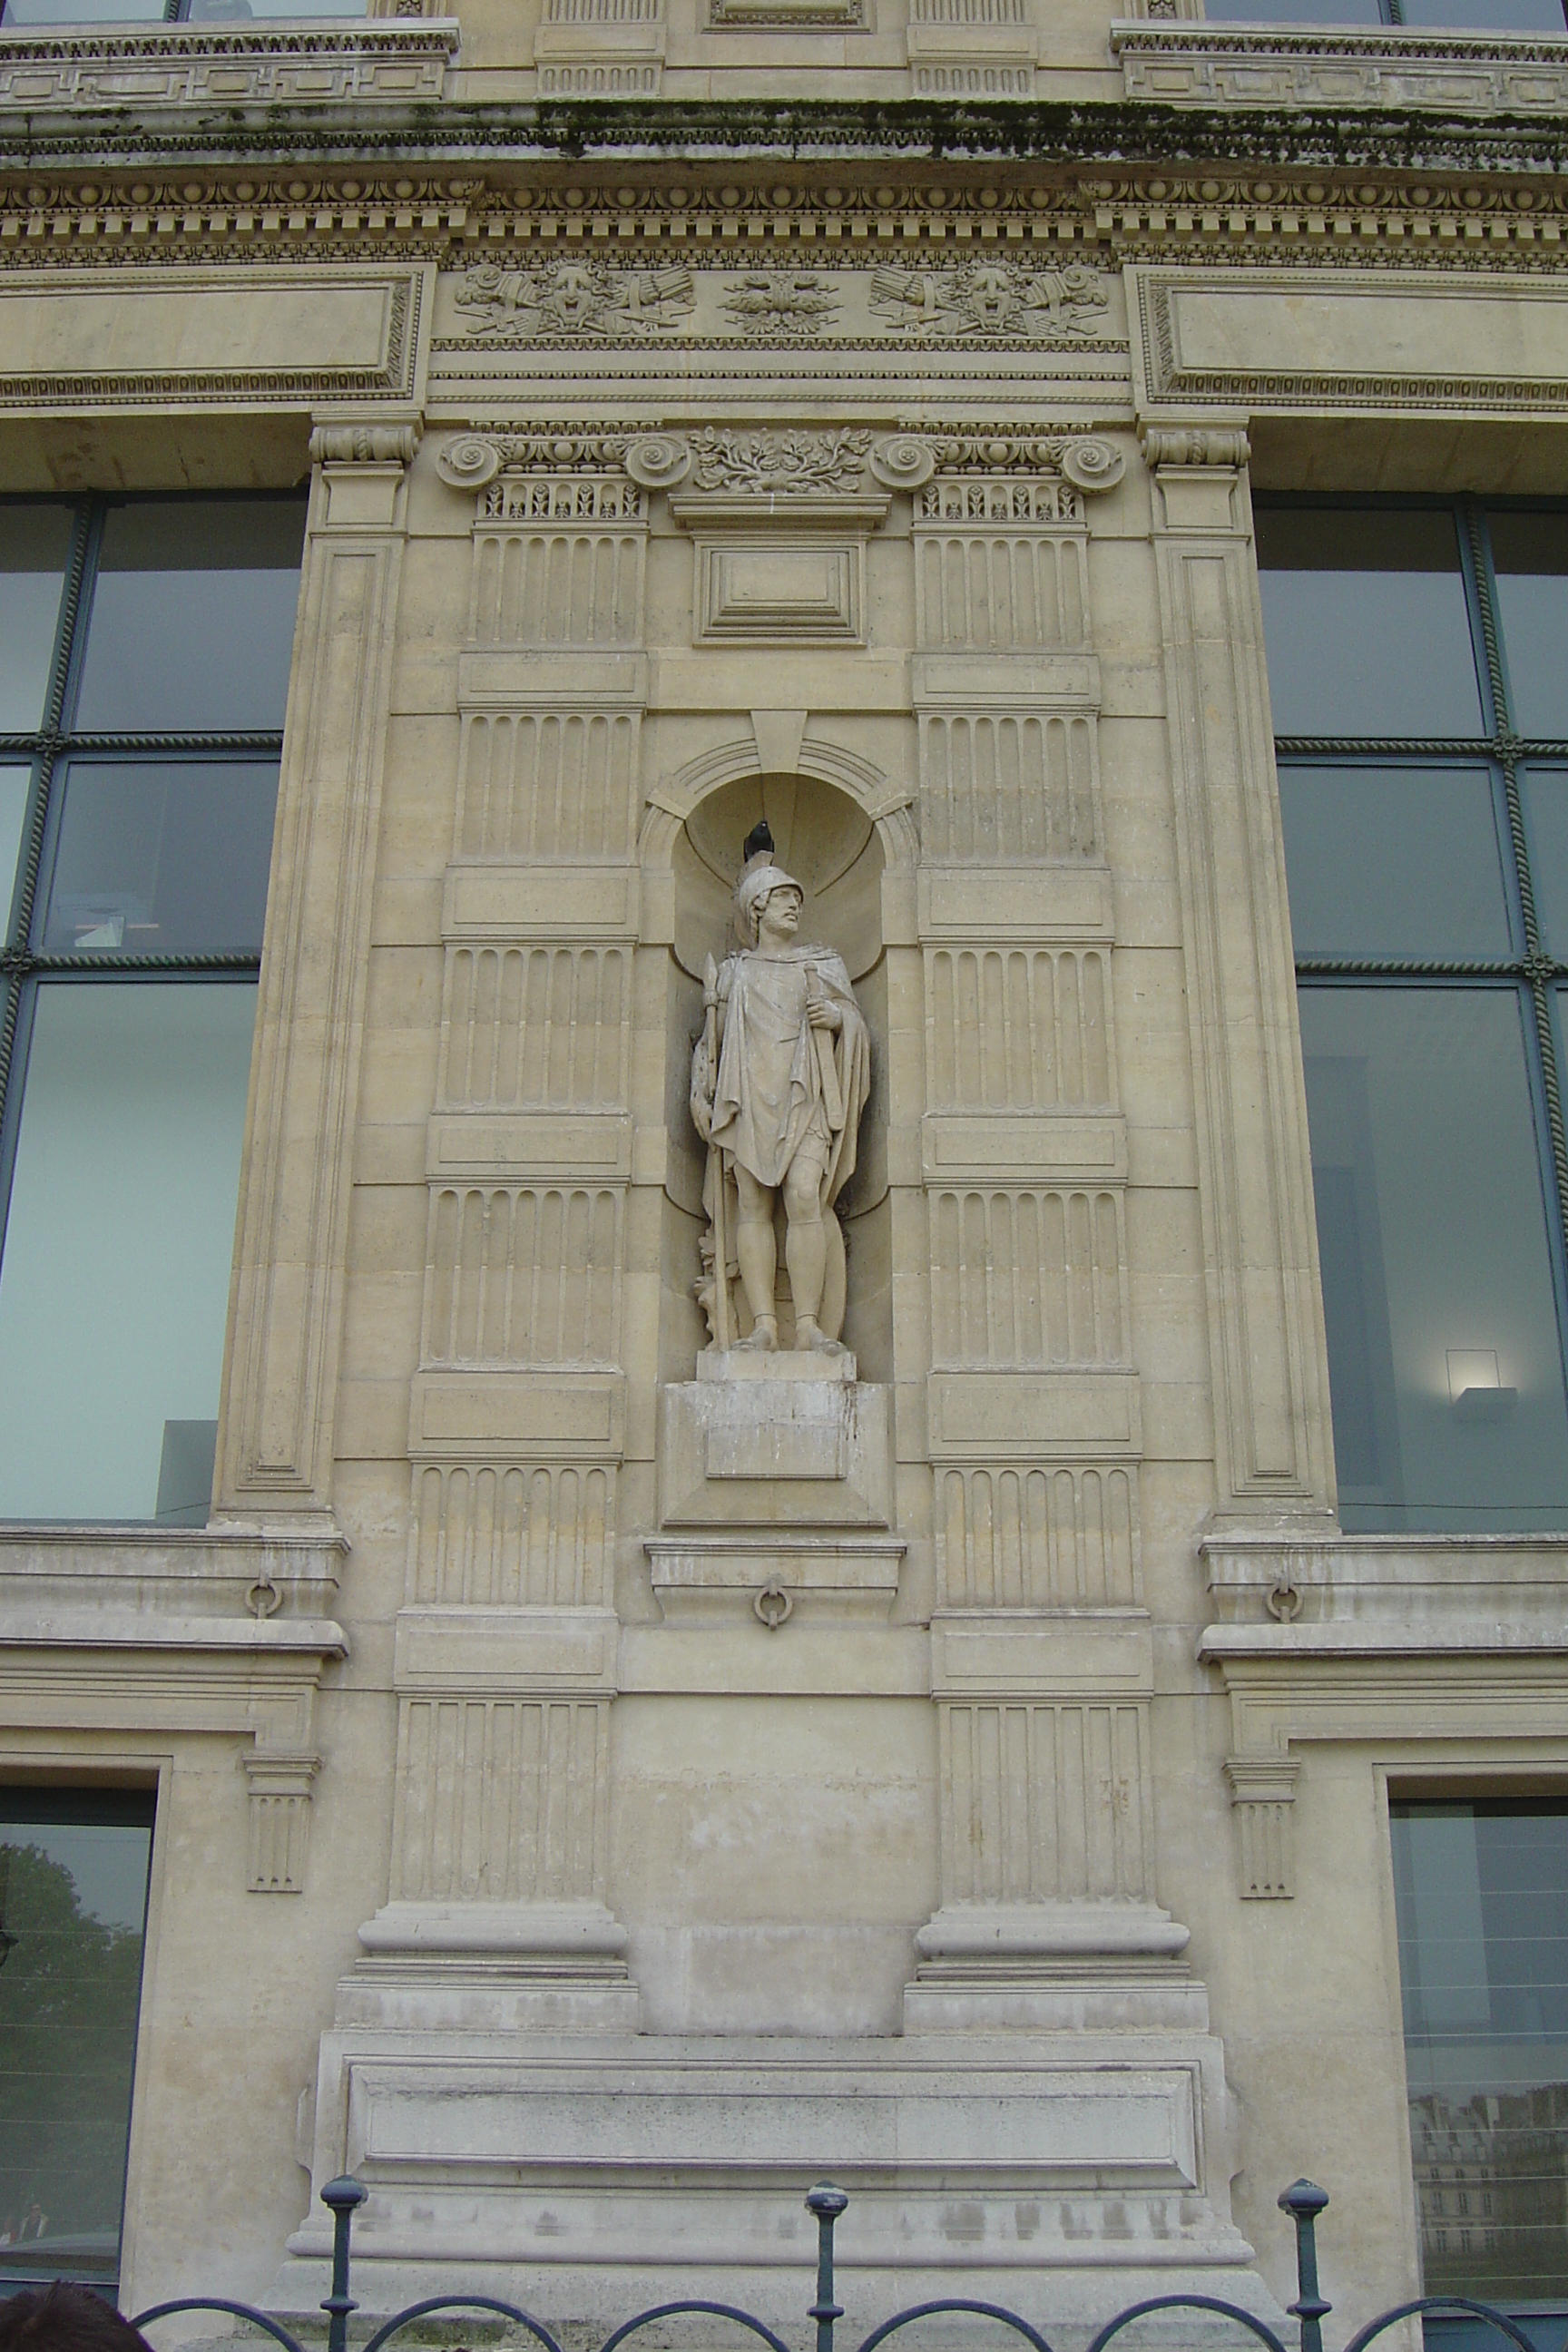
x=1056 y=135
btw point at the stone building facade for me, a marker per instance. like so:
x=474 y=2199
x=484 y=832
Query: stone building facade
x=585 y=1796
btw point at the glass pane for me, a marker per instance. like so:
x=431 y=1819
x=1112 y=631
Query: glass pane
x=1367 y=628
x=1486 y=15
x=13 y=784
x=231 y=12
x=114 y=1287
x=1393 y=861
x=73 y=1911
x=1530 y=558
x=192 y=615
x=1546 y=816
x=1444 y=1365
x=22 y=13
x=35 y=546
x=1292 y=12
x=161 y=859
x=1481 y=1899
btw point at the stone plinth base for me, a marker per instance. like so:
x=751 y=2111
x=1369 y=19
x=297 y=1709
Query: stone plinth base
x=503 y=1968
x=585 y=2175
x=775 y=1441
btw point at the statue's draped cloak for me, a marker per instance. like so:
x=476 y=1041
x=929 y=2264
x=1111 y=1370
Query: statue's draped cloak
x=767 y=1094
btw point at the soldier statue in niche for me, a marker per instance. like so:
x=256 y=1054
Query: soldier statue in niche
x=779 y=1079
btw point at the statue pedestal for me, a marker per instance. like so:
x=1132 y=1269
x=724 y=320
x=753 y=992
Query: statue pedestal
x=775 y=1490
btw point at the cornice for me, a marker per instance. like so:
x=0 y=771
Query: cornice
x=755 y=213
x=650 y=134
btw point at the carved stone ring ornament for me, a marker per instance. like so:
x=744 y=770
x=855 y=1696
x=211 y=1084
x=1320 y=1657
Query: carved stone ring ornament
x=901 y=461
x=772 y=1604
x=1093 y=465
x=467 y=462
x=658 y=461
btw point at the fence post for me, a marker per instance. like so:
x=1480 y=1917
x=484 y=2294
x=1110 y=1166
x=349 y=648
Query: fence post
x=1304 y=2201
x=342 y=2196
x=827 y=2202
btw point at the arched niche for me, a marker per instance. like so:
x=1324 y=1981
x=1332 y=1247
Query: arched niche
x=837 y=849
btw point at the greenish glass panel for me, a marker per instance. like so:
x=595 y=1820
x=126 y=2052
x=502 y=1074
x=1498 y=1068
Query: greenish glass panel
x=35 y=547
x=1545 y=792
x=1486 y=16
x=1394 y=862
x=1365 y=621
x=73 y=1909
x=114 y=1284
x=191 y=620
x=1529 y=562
x=1445 y=1371
x=1481 y=1902
x=14 y=785
x=161 y=857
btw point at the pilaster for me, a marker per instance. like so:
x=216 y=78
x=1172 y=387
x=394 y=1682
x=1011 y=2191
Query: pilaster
x=1268 y=1355
x=277 y=1417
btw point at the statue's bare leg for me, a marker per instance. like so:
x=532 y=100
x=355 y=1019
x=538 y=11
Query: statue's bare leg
x=757 y=1253
x=805 y=1247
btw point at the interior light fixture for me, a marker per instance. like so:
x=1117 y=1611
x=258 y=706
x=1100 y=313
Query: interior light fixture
x=1475 y=1389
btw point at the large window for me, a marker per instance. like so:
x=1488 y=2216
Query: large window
x=73 y=1914
x=1420 y=15
x=1481 y=1893
x=23 y=15
x=145 y=657
x=1420 y=692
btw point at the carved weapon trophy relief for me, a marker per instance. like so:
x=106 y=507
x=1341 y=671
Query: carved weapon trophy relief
x=1042 y=303
x=780 y=1075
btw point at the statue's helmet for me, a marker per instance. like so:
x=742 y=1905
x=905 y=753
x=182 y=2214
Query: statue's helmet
x=752 y=891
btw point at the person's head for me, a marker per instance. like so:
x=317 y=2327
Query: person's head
x=65 y=2318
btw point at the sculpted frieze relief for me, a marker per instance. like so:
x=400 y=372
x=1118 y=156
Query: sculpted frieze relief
x=1041 y=300
x=572 y=300
x=773 y=462
x=1009 y=300
x=781 y=305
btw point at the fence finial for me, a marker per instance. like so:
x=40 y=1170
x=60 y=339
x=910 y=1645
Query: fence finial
x=827 y=2202
x=1304 y=2201
x=343 y=2195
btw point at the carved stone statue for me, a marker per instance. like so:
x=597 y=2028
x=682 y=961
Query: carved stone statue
x=779 y=1079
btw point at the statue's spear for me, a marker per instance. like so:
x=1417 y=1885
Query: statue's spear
x=722 y=1336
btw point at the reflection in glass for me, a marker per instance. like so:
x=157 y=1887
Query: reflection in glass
x=166 y=857
x=1486 y=15
x=73 y=1910
x=13 y=784
x=1394 y=862
x=114 y=1284
x=20 y=13
x=1530 y=558
x=1481 y=1899
x=1292 y=12
x=1445 y=1372
x=1546 y=814
x=34 y=544
x=192 y=623
x=1366 y=623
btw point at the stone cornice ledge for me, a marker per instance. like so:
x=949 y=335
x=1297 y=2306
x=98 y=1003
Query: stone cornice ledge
x=1236 y=65
x=1358 y=1596
x=262 y=1591
x=182 y=66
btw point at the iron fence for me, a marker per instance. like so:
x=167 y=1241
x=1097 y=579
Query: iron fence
x=1303 y=2200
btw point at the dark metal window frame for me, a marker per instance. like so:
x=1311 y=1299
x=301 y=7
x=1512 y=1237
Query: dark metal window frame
x=47 y=749
x=1530 y=972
